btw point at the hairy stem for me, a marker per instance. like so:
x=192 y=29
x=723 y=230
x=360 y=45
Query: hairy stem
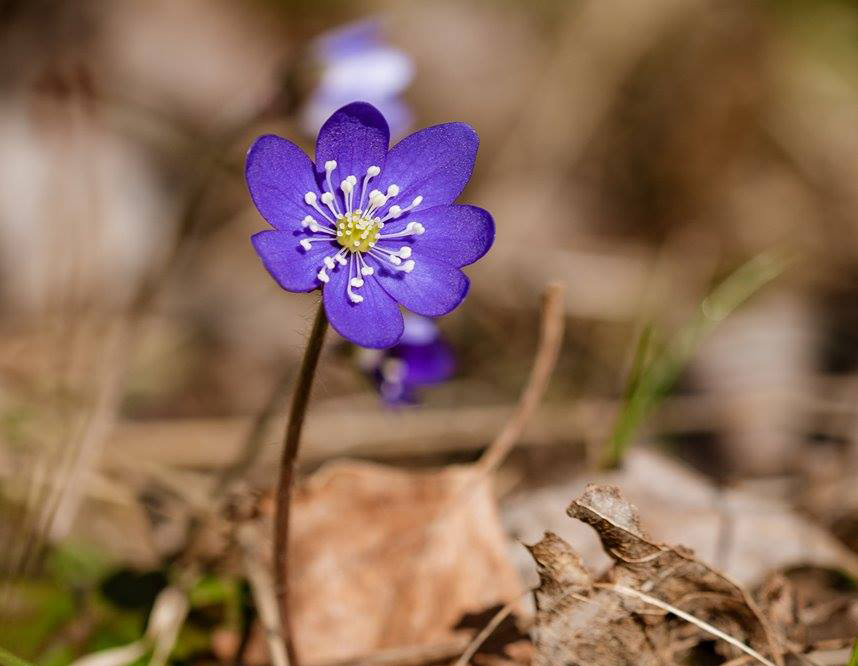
x=291 y=440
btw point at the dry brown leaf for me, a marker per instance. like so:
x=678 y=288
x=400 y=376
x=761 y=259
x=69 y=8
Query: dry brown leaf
x=580 y=621
x=732 y=528
x=388 y=558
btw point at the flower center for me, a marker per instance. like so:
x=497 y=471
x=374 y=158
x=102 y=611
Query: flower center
x=357 y=233
x=357 y=229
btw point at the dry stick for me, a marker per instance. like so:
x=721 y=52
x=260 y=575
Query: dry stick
x=487 y=631
x=551 y=336
x=291 y=441
x=708 y=628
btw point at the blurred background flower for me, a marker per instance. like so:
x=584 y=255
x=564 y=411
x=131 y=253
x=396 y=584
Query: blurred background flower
x=422 y=357
x=354 y=62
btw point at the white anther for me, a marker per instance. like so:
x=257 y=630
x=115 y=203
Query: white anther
x=374 y=194
x=327 y=198
x=394 y=259
x=347 y=186
x=416 y=228
x=405 y=251
x=330 y=165
x=392 y=190
x=307 y=221
x=367 y=270
x=408 y=266
x=310 y=198
x=373 y=171
x=323 y=277
x=329 y=263
x=417 y=201
x=355 y=298
x=356 y=243
x=394 y=212
x=356 y=282
x=313 y=226
x=341 y=260
x=305 y=243
x=352 y=180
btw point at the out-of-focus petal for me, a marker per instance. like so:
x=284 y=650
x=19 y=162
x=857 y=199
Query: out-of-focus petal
x=377 y=72
x=426 y=364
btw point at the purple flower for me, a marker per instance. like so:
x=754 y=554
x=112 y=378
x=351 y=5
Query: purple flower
x=420 y=358
x=356 y=63
x=375 y=229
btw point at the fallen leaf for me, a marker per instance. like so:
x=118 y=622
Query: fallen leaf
x=732 y=528
x=385 y=558
x=582 y=621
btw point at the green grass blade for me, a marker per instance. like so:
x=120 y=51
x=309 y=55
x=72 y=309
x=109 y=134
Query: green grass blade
x=650 y=382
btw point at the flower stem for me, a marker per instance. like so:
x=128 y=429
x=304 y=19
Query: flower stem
x=291 y=440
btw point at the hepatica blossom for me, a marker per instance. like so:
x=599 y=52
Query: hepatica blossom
x=355 y=62
x=374 y=228
x=422 y=357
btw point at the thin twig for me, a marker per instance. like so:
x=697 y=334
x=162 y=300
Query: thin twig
x=705 y=626
x=291 y=442
x=550 y=339
x=487 y=631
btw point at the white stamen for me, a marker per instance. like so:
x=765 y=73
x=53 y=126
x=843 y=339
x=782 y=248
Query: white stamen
x=353 y=282
x=314 y=227
x=307 y=221
x=392 y=190
x=310 y=199
x=392 y=213
x=397 y=265
x=307 y=243
x=405 y=251
x=411 y=229
x=372 y=172
x=332 y=203
x=329 y=200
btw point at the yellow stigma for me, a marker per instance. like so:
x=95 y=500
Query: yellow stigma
x=357 y=233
